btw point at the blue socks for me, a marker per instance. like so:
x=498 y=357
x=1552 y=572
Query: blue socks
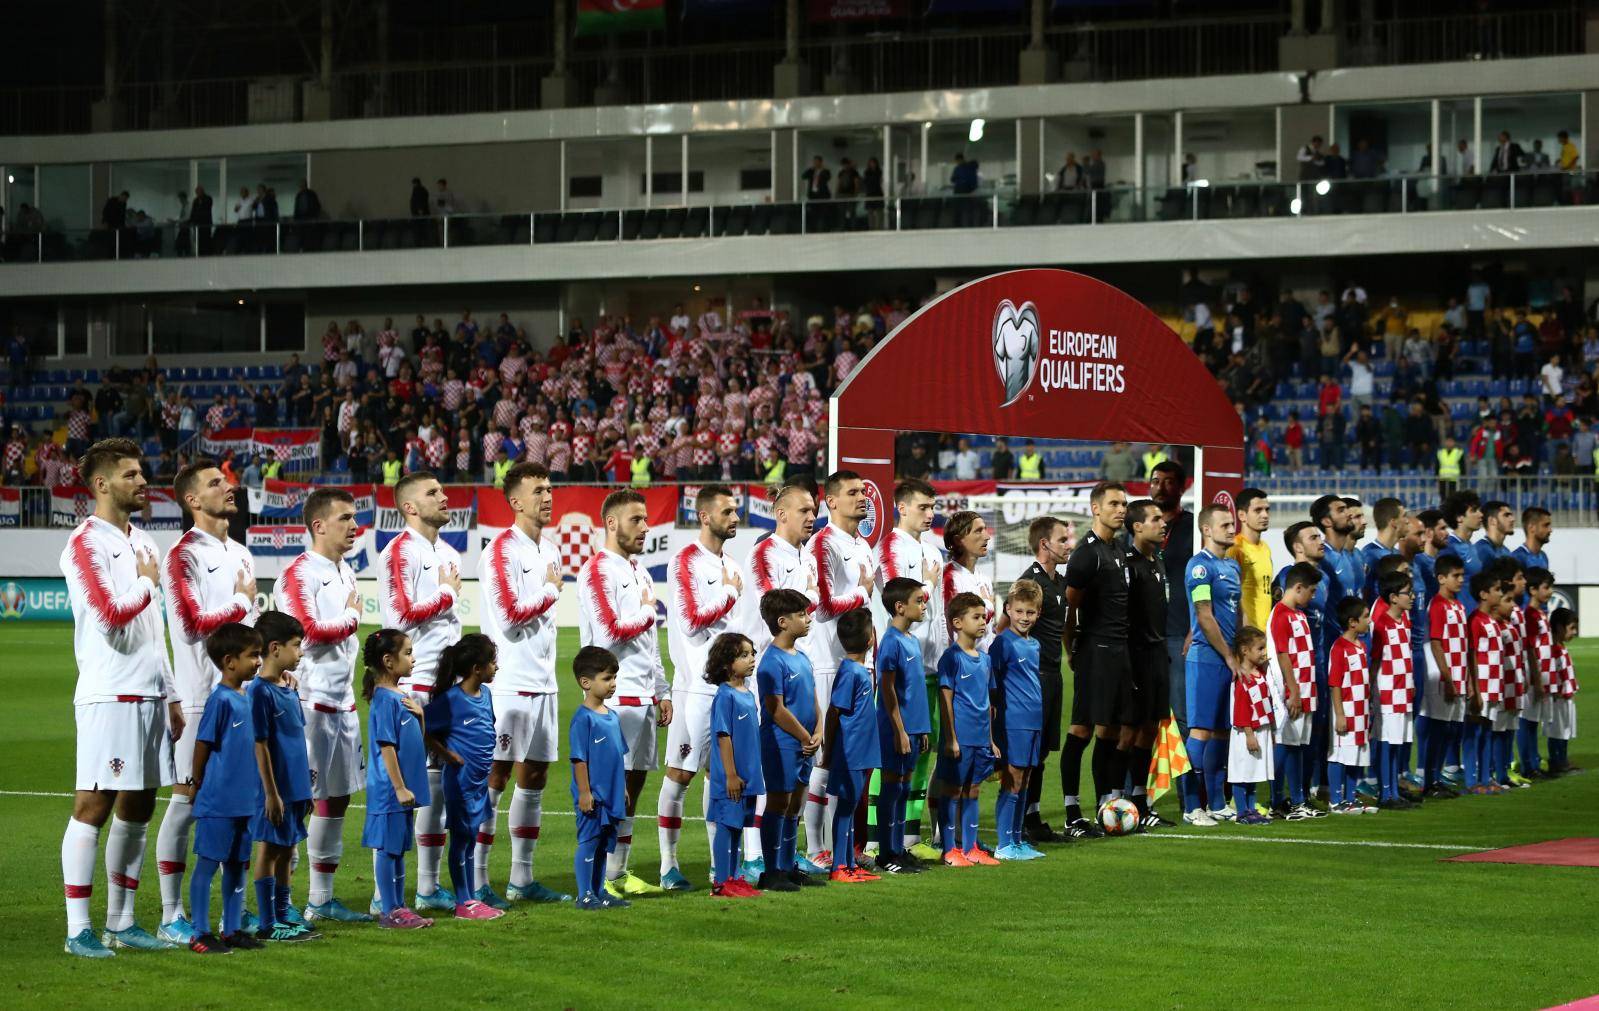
x=463 y=844
x=843 y=834
x=232 y=897
x=724 y=855
x=389 y=869
x=969 y=816
x=946 y=823
x=1527 y=745
x=1470 y=754
x=585 y=859
x=1244 y=797
x=772 y=841
x=1216 y=773
x=1335 y=779
x=266 y=900
x=891 y=799
x=1196 y=761
x=1293 y=772
x=1279 y=755
x=790 y=841
x=205 y=871
x=1005 y=819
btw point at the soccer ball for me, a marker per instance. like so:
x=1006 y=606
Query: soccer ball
x=1118 y=817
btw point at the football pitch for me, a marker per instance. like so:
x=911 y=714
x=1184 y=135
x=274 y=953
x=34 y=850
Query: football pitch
x=1339 y=912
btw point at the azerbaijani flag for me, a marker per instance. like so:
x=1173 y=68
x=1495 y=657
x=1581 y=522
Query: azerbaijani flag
x=1169 y=760
x=606 y=17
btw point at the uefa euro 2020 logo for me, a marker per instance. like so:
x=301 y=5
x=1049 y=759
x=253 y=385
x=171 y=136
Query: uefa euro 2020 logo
x=13 y=600
x=1015 y=347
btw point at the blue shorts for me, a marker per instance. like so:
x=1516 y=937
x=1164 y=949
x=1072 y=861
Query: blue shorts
x=288 y=832
x=596 y=826
x=388 y=833
x=975 y=765
x=732 y=813
x=893 y=762
x=1023 y=749
x=1210 y=686
x=785 y=769
x=464 y=812
x=847 y=785
x=225 y=840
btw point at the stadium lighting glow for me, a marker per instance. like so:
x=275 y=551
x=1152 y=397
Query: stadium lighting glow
x=1323 y=188
x=975 y=134
x=1201 y=182
x=1294 y=205
x=11 y=178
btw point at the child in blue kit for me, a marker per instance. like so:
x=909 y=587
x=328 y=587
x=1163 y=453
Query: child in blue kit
x=903 y=722
x=396 y=777
x=736 y=777
x=460 y=721
x=853 y=750
x=280 y=752
x=1018 y=715
x=599 y=784
x=967 y=754
x=790 y=737
x=227 y=791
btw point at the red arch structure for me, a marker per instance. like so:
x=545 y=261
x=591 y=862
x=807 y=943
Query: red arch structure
x=1034 y=354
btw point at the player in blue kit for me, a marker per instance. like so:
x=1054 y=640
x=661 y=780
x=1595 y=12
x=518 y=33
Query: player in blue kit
x=735 y=780
x=851 y=735
x=967 y=753
x=599 y=782
x=1537 y=526
x=396 y=776
x=227 y=791
x=1463 y=514
x=1018 y=716
x=460 y=732
x=1214 y=590
x=790 y=735
x=285 y=772
x=903 y=720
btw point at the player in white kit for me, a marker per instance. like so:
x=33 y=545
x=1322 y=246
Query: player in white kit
x=618 y=614
x=419 y=579
x=124 y=742
x=843 y=563
x=703 y=589
x=317 y=589
x=520 y=574
x=208 y=581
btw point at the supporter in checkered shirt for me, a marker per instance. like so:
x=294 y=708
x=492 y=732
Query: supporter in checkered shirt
x=513 y=366
x=1390 y=642
x=463 y=457
x=506 y=410
x=16 y=454
x=560 y=457
x=332 y=343
x=1485 y=689
x=535 y=440
x=79 y=424
x=1348 y=685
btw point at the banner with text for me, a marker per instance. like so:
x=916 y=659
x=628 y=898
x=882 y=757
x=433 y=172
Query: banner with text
x=280 y=500
x=10 y=507
x=390 y=522
x=578 y=529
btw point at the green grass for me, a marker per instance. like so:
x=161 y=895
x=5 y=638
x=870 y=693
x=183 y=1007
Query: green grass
x=1152 y=921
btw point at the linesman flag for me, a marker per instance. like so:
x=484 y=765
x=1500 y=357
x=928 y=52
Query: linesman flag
x=1170 y=760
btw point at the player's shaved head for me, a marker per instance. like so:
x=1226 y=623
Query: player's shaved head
x=837 y=480
x=619 y=499
x=321 y=502
x=912 y=487
x=411 y=485
x=101 y=459
x=788 y=496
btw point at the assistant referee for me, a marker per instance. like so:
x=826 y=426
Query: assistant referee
x=1050 y=539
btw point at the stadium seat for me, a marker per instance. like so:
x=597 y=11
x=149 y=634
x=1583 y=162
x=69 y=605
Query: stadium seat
x=760 y=219
x=653 y=220
x=696 y=222
x=738 y=221
x=672 y=224
x=610 y=226
x=588 y=226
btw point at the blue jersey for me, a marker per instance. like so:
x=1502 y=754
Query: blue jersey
x=1530 y=560
x=734 y=716
x=1322 y=632
x=1347 y=572
x=389 y=722
x=231 y=786
x=1218 y=582
x=280 y=722
x=899 y=661
x=966 y=675
x=1018 y=695
x=1473 y=563
x=595 y=739
x=1370 y=555
x=787 y=676
x=857 y=744
x=466 y=725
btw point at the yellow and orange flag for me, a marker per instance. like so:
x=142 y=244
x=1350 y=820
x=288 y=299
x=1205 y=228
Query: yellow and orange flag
x=1170 y=760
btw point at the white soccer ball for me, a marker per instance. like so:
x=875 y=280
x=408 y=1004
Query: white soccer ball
x=1118 y=817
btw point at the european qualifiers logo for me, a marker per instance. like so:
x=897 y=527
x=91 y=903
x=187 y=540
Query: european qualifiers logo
x=1015 y=340
x=1061 y=359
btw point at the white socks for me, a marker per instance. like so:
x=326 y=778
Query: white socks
x=752 y=835
x=430 y=837
x=124 y=856
x=79 y=847
x=616 y=863
x=172 y=854
x=818 y=815
x=485 y=838
x=527 y=811
x=669 y=821
x=324 y=845
x=705 y=812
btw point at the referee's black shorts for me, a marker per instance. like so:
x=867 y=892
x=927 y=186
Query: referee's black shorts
x=1103 y=685
x=1049 y=680
x=1151 y=682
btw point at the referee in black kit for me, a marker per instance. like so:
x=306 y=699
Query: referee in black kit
x=1050 y=539
x=1096 y=640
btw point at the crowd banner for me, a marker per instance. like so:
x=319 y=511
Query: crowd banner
x=10 y=507
x=295 y=447
x=456 y=531
x=70 y=504
x=577 y=525
x=284 y=500
x=223 y=441
x=285 y=541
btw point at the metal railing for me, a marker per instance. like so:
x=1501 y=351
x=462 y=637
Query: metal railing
x=1485 y=36
x=1574 y=499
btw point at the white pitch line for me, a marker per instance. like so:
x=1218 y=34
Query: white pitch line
x=1463 y=848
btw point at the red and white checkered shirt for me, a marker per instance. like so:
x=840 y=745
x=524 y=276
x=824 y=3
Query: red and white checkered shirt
x=1346 y=671
x=463 y=457
x=1487 y=650
x=171 y=414
x=560 y=456
x=332 y=344
x=512 y=368
x=1514 y=630
x=347 y=410
x=505 y=411
x=435 y=450
x=451 y=394
x=1567 y=684
x=216 y=417
x=1396 y=686
x=704 y=452
x=78 y=424
x=1288 y=633
x=582 y=443
x=1447 y=628
x=491 y=445
x=535 y=446
x=16 y=452
x=1541 y=643
x=1251 y=700
x=802 y=443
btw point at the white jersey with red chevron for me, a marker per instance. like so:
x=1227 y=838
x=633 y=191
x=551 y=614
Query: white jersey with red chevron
x=198 y=578
x=700 y=605
x=837 y=559
x=904 y=554
x=414 y=601
x=1396 y=686
x=315 y=591
x=614 y=616
x=1448 y=621
x=957 y=579
x=118 y=637
x=1288 y=634
x=774 y=564
x=519 y=609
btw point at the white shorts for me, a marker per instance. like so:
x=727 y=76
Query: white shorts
x=823 y=679
x=183 y=751
x=527 y=727
x=1243 y=767
x=1536 y=712
x=124 y=745
x=333 y=748
x=1279 y=700
x=688 y=739
x=1296 y=730
x=639 y=731
x=1396 y=728
x=1341 y=748
x=1562 y=724
x=1504 y=719
x=1433 y=705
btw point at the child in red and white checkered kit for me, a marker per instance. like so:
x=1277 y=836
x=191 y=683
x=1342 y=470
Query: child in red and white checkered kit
x=1349 y=701
x=1393 y=657
x=1252 y=741
x=1562 y=723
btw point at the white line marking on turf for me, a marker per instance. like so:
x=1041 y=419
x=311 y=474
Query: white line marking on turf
x=1463 y=848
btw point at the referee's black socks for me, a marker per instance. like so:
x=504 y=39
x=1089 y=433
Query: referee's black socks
x=1071 y=772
